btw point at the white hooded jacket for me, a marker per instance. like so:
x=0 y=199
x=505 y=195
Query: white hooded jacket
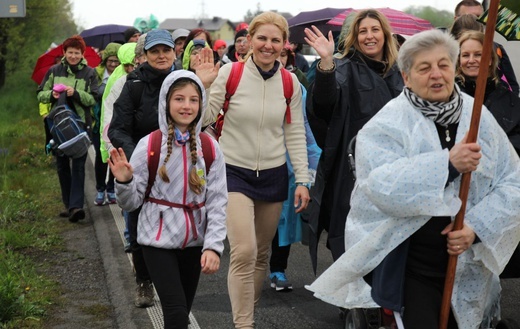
x=167 y=227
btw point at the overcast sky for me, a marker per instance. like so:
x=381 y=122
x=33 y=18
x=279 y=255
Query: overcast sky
x=90 y=13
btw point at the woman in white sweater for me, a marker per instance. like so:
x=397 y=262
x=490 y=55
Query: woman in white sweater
x=258 y=130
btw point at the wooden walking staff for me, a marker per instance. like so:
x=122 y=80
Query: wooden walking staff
x=472 y=138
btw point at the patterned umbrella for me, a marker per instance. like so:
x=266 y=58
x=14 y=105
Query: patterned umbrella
x=400 y=22
x=508 y=19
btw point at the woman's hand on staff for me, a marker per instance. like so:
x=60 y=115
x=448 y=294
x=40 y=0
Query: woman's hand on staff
x=458 y=241
x=465 y=156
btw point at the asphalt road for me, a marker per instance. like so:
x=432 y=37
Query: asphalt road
x=212 y=310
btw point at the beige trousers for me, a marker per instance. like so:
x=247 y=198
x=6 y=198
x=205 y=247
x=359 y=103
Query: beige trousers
x=251 y=226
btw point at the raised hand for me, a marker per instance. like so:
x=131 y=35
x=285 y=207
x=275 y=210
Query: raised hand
x=119 y=165
x=205 y=67
x=323 y=46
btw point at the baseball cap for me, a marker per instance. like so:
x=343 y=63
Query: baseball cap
x=198 y=43
x=179 y=33
x=158 y=37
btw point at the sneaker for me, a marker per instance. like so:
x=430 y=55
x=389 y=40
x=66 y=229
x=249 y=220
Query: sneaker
x=76 y=214
x=128 y=247
x=144 y=295
x=100 y=199
x=111 y=197
x=279 y=282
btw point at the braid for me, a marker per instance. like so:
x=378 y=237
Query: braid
x=194 y=179
x=163 y=173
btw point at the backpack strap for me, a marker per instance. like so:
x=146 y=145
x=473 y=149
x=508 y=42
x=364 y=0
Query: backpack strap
x=208 y=150
x=154 y=154
x=136 y=92
x=232 y=83
x=287 y=92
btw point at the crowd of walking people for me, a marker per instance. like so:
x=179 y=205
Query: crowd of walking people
x=279 y=162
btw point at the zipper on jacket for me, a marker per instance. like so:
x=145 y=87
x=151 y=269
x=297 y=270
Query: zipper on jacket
x=159 y=231
x=185 y=187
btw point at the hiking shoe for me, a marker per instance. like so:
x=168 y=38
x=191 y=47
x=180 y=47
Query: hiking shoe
x=76 y=214
x=100 y=199
x=279 y=282
x=128 y=247
x=64 y=213
x=144 y=295
x=111 y=197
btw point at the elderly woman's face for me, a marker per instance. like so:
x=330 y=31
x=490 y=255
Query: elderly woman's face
x=432 y=75
x=371 y=39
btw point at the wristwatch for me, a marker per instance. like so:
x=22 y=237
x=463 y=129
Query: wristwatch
x=307 y=185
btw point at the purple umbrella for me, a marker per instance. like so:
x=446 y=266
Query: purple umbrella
x=100 y=36
x=305 y=19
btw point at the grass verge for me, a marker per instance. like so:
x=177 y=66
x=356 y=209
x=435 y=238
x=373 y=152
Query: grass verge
x=28 y=192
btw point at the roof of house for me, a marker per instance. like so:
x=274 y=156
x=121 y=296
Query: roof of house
x=209 y=24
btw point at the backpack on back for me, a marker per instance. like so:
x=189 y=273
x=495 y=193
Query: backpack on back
x=231 y=87
x=154 y=154
x=68 y=131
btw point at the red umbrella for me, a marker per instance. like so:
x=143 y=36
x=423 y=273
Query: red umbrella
x=400 y=22
x=53 y=56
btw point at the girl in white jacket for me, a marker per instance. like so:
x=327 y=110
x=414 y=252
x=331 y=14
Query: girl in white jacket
x=182 y=222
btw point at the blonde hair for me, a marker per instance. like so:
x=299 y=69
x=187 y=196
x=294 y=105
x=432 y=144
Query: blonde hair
x=351 y=40
x=478 y=36
x=268 y=17
x=195 y=182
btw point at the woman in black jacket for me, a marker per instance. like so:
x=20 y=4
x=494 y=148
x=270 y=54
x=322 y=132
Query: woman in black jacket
x=347 y=92
x=135 y=116
x=498 y=98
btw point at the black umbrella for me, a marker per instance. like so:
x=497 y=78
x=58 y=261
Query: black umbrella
x=100 y=36
x=318 y=18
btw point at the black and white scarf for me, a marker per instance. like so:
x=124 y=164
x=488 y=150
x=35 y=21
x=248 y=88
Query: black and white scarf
x=443 y=113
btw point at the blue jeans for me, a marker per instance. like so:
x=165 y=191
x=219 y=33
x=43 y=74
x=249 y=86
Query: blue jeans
x=126 y=232
x=71 y=173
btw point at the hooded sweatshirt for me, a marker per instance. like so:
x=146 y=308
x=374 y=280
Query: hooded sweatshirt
x=169 y=227
x=126 y=55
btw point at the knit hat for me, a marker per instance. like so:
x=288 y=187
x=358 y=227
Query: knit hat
x=158 y=37
x=218 y=44
x=139 y=47
x=241 y=33
x=129 y=32
x=241 y=26
x=179 y=33
x=110 y=50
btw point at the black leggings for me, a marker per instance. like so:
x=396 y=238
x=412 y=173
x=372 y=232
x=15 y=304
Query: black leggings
x=422 y=302
x=175 y=274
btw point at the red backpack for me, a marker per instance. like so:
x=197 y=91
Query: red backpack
x=154 y=153
x=232 y=84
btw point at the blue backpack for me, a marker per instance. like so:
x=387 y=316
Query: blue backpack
x=70 y=137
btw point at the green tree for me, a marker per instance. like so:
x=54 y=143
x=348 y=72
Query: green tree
x=438 y=18
x=22 y=40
